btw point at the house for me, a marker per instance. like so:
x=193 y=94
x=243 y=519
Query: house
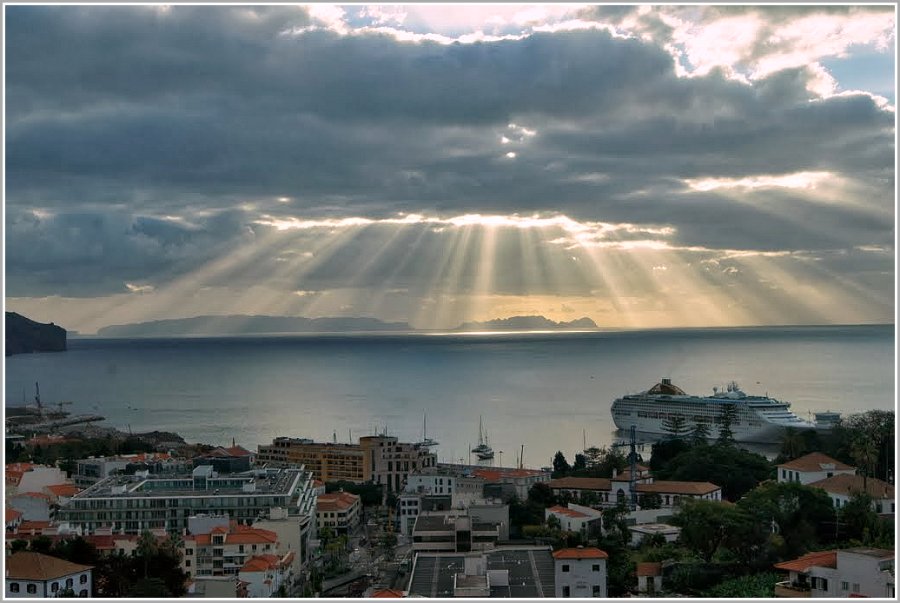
x=217 y=546
x=855 y=572
x=339 y=511
x=263 y=575
x=13 y=519
x=575 y=518
x=812 y=467
x=617 y=490
x=641 y=532
x=649 y=576
x=294 y=532
x=842 y=487
x=61 y=493
x=520 y=480
x=25 y=477
x=35 y=575
x=580 y=572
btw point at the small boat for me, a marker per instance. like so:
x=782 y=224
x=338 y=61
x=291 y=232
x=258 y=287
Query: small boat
x=483 y=451
x=426 y=441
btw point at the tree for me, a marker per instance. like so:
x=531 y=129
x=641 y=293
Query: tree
x=651 y=500
x=745 y=587
x=705 y=525
x=793 y=444
x=737 y=471
x=727 y=417
x=18 y=545
x=561 y=466
x=700 y=433
x=41 y=544
x=802 y=515
x=675 y=425
x=858 y=521
x=864 y=450
x=580 y=463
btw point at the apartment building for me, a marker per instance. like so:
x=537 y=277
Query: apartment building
x=218 y=546
x=132 y=503
x=339 y=511
x=854 y=572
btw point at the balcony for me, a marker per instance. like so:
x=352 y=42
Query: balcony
x=791 y=589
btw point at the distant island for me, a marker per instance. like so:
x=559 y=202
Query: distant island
x=259 y=325
x=24 y=335
x=527 y=323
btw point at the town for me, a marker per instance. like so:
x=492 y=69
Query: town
x=148 y=515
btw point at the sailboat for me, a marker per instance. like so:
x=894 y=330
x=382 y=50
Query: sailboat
x=426 y=441
x=483 y=451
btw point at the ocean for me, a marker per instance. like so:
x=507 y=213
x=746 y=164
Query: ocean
x=543 y=391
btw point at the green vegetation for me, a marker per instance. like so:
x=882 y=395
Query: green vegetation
x=369 y=494
x=737 y=471
x=753 y=586
x=67 y=453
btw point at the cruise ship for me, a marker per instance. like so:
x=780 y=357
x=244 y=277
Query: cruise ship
x=757 y=419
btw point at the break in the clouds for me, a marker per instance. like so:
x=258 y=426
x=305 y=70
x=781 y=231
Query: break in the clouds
x=642 y=165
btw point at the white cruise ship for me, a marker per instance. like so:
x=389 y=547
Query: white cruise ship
x=757 y=419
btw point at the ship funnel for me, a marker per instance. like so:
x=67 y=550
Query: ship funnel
x=666 y=381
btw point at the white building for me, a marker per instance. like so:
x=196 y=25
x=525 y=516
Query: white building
x=856 y=572
x=642 y=531
x=263 y=575
x=294 y=534
x=339 y=511
x=812 y=467
x=575 y=518
x=580 y=572
x=35 y=575
x=217 y=546
x=26 y=477
x=842 y=487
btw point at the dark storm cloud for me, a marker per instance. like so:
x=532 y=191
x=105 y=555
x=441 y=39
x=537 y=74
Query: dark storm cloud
x=194 y=111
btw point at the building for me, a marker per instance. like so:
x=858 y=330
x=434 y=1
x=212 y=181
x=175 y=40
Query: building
x=812 y=467
x=580 y=572
x=294 y=532
x=581 y=487
x=35 y=575
x=454 y=532
x=91 y=470
x=339 y=511
x=393 y=461
x=217 y=546
x=34 y=506
x=264 y=575
x=841 y=488
x=649 y=576
x=137 y=502
x=379 y=459
x=643 y=531
x=13 y=519
x=617 y=490
x=22 y=478
x=576 y=518
x=855 y=572
x=520 y=480
x=523 y=572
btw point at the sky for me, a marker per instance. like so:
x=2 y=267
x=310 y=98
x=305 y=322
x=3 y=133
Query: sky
x=645 y=166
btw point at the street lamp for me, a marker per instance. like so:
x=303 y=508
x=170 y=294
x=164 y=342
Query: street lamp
x=500 y=462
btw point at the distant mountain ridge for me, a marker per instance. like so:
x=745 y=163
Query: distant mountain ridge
x=529 y=323
x=24 y=335
x=246 y=325
x=249 y=325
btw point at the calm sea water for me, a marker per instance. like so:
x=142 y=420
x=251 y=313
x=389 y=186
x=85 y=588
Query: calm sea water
x=543 y=391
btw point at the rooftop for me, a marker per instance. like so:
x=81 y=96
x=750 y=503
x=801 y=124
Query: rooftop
x=587 y=552
x=649 y=568
x=387 y=593
x=560 y=510
x=336 y=501
x=676 y=487
x=531 y=572
x=870 y=552
x=581 y=483
x=817 y=559
x=37 y=566
x=849 y=484
x=815 y=461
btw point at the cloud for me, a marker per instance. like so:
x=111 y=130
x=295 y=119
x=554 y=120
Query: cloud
x=144 y=144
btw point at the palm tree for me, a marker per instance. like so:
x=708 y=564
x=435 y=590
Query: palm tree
x=793 y=444
x=864 y=450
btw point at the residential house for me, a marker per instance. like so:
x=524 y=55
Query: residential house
x=22 y=478
x=580 y=572
x=576 y=518
x=854 y=572
x=649 y=576
x=264 y=575
x=842 y=487
x=812 y=467
x=339 y=511
x=217 y=546
x=35 y=575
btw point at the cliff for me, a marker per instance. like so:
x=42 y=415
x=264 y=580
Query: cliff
x=24 y=335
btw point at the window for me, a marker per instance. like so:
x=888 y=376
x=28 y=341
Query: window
x=187 y=563
x=566 y=590
x=595 y=591
x=784 y=474
x=565 y=567
x=188 y=551
x=54 y=587
x=855 y=587
x=31 y=588
x=845 y=585
x=13 y=587
x=69 y=582
x=823 y=584
x=83 y=593
x=595 y=567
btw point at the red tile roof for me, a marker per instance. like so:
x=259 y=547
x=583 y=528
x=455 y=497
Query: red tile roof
x=387 y=593
x=260 y=563
x=64 y=489
x=846 y=484
x=580 y=483
x=649 y=569
x=815 y=461
x=34 y=495
x=559 y=510
x=493 y=475
x=336 y=501
x=37 y=526
x=588 y=552
x=238 y=451
x=12 y=515
x=675 y=487
x=817 y=559
x=28 y=565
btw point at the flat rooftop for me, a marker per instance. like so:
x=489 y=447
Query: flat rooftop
x=248 y=483
x=531 y=573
